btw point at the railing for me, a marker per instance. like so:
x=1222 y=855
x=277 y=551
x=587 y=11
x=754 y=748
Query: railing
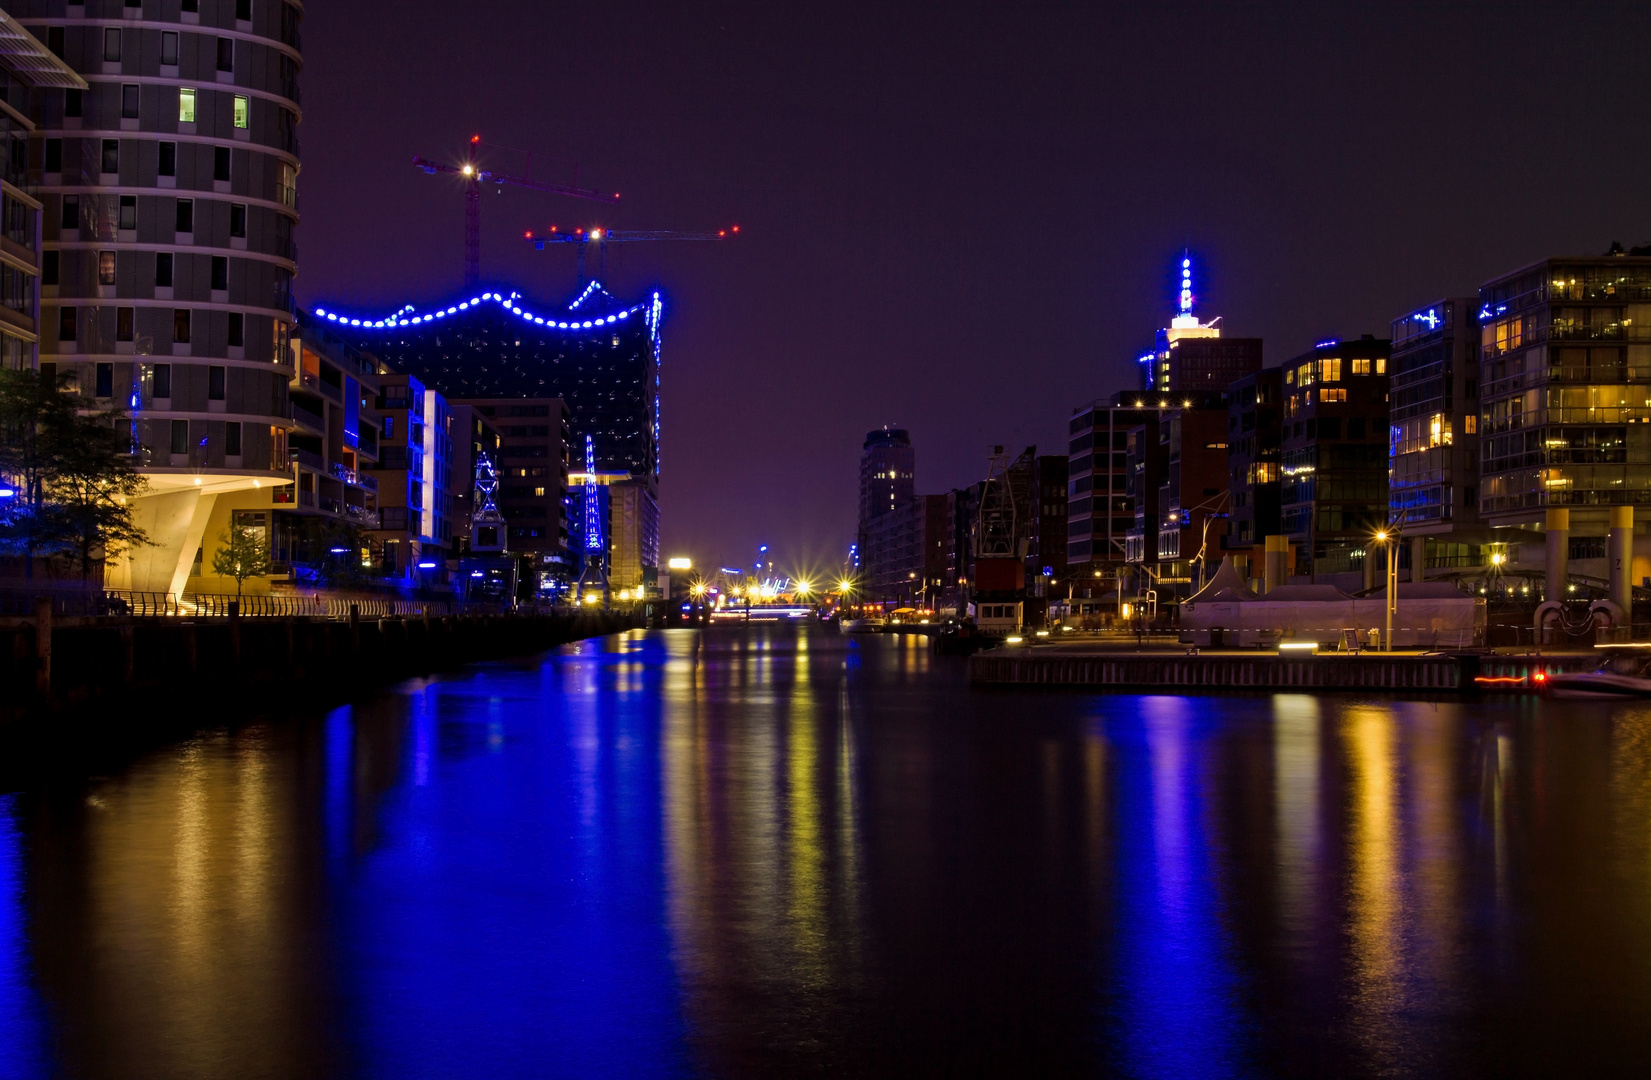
x=305 y=416
x=76 y=602
x=309 y=459
x=213 y=605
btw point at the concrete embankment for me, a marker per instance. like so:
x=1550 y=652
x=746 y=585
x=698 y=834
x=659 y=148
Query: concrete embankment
x=1368 y=672
x=117 y=678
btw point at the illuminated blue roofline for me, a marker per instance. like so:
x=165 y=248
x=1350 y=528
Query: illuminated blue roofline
x=407 y=316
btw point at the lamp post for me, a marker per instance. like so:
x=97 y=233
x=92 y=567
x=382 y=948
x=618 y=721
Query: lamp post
x=1391 y=589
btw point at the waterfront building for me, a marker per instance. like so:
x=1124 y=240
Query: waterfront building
x=1565 y=423
x=1333 y=498
x=30 y=75
x=415 y=526
x=597 y=356
x=1254 y=453
x=169 y=194
x=1433 y=487
x=888 y=466
x=1177 y=460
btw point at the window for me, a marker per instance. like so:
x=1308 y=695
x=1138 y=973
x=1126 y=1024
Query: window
x=1381 y=365
x=169 y=48
x=220 y=273
x=215 y=384
x=1327 y=393
x=111 y=155
x=1361 y=365
x=49 y=263
x=54 y=41
x=186 y=105
x=220 y=163
x=128 y=212
x=226 y=54
x=180 y=436
x=243 y=109
x=70 y=218
x=238 y=220
x=243 y=10
x=105 y=268
x=128 y=102
x=389 y=427
x=237 y=329
x=111 y=45
x=168 y=159
x=124 y=324
x=163 y=380
x=66 y=324
x=191 y=5
x=1330 y=369
x=1470 y=424
x=74 y=103
x=54 y=155
x=232 y=439
x=1304 y=375
x=180 y=326
x=105 y=380
x=163 y=270
x=186 y=216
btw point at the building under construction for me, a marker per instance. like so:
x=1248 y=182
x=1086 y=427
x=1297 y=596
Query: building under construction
x=598 y=355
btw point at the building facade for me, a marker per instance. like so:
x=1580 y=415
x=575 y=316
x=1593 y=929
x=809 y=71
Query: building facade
x=30 y=75
x=534 y=443
x=1255 y=448
x=169 y=195
x=1333 y=498
x=1433 y=487
x=888 y=467
x=598 y=356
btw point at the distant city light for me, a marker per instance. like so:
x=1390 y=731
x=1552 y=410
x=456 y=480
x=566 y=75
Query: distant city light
x=680 y=564
x=426 y=566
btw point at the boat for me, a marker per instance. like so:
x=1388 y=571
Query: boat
x=1625 y=673
x=862 y=626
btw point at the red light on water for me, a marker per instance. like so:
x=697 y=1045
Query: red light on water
x=1541 y=677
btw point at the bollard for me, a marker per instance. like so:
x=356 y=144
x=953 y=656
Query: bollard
x=43 y=647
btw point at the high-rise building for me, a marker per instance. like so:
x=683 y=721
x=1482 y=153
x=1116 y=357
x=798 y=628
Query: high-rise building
x=888 y=465
x=30 y=74
x=1333 y=495
x=1191 y=356
x=169 y=191
x=535 y=437
x=598 y=356
x=1565 y=420
x=1433 y=492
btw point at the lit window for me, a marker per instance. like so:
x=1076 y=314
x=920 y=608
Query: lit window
x=1304 y=374
x=1327 y=393
x=186 y=106
x=1361 y=365
x=243 y=107
x=105 y=268
x=1470 y=424
x=1330 y=369
x=1381 y=365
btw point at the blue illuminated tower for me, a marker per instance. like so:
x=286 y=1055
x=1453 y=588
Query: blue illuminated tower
x=1190 y=355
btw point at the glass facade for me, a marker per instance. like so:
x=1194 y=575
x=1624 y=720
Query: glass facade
x=1565 y=419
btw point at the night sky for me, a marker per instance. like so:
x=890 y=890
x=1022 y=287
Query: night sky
x=960 y=221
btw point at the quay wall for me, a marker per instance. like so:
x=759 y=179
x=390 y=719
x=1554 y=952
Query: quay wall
x=1266 y=671
x=105 y=675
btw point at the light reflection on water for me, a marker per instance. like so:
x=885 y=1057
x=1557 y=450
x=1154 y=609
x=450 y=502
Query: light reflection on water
x=754 y=853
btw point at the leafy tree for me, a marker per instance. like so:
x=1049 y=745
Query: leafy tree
x=37 y=419
x=241 y=554
x=93 y=486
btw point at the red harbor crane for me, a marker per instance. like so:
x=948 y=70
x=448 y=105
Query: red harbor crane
x=474 y=176
x=601 y=238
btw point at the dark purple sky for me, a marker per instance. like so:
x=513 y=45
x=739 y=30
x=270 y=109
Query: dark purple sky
x=962 y=220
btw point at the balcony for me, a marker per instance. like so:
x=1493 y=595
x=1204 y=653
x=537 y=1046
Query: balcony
x=307 y=459
x=353 y=476
x=311 y=420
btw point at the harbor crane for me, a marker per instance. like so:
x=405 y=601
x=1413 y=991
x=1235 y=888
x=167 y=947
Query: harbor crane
x=474 y=176
x=601 y=238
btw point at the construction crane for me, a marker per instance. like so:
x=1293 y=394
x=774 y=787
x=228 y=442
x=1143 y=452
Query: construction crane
x=474 y=177
x=603 y=237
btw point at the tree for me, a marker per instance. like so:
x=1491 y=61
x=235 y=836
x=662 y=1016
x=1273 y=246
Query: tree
x=241 y=554
x=93 y=487
x=36 y=421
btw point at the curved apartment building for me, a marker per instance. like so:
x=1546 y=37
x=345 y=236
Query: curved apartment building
x=169 y=201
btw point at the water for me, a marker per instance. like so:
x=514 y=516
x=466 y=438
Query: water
x=676 y=854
